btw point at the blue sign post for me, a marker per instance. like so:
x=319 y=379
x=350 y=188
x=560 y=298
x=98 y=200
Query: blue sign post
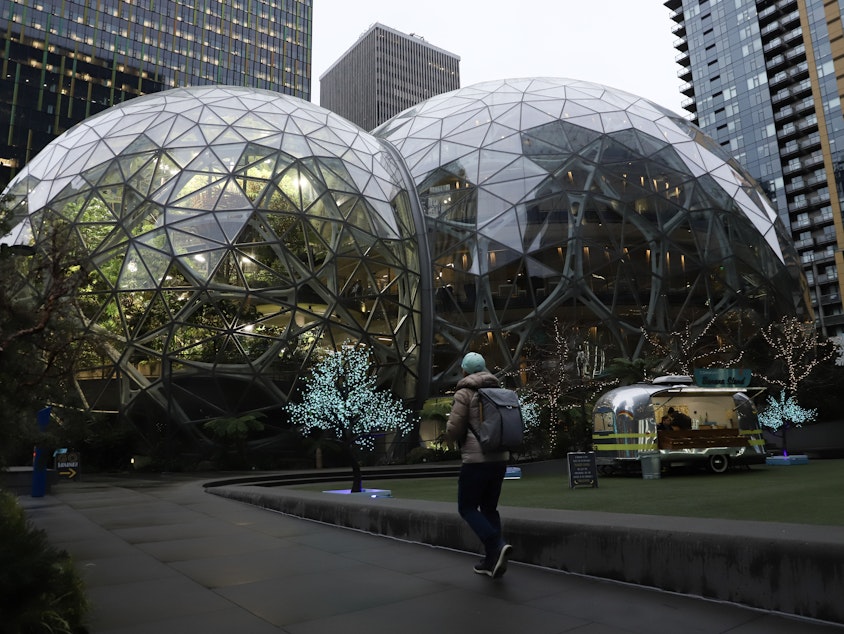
x=39 y=459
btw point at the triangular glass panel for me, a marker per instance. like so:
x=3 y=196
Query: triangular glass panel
x=334 y=175
x=499 y=256
x=112 y=175
x=166 y=170
x=211 y=132
x=630 y=139
x=156 y=262
x=257 y=161
x=175 y=279
x=94 y=234
x=461 y=206
x=357 y=214
x=271 y=274
x=547 y=139
x=175 y=301
x=207 y=160
x=189 y=136
x=228 y=272
x=579 y=137
x=233 y=198
x=182 y=157
x=202 y=263
x=324 y=207
x=228 y=155
x=142 y=143
x=254 y=189
x=198 y=191
x=231 y=137
x=296 y=146
x=614 y=121
x=157 y=316
x=294 y=185
x=95 y=209
x=158 y=132
x=424 y=162
x=195 y=233
x=110 y=265
x=319 y=236
x=135 y=275
x=276 y=200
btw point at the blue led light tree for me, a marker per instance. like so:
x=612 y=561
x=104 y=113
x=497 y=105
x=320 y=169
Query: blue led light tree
x=783 y=413
x=341 y=398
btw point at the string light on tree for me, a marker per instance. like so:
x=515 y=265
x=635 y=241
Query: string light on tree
x=560 y=383
x=684 y=350
x=798 y=349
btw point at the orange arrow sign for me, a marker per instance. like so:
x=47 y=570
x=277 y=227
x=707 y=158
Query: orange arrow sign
x=70 y=473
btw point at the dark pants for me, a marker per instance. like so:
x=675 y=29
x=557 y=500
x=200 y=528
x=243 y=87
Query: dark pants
x=478 y=490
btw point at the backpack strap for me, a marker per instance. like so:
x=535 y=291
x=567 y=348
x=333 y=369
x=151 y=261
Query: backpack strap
x=469 y=427
x=474 y=431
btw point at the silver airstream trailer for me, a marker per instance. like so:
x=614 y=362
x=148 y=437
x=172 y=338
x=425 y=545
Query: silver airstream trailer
x=721 y=427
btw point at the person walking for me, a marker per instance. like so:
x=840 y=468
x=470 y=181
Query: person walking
x=481 y=475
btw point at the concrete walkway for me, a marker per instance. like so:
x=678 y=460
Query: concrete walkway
x=161 y=555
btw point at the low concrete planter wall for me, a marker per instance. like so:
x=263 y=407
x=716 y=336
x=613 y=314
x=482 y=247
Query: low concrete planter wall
x=796 y=569
x=18 y=480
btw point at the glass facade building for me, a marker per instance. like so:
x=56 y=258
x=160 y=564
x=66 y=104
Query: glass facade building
x=761 y=77
x=64 y=61
x=385 y=72
x=234 y=235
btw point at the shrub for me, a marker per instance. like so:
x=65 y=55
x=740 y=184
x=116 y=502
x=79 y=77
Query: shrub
x=419 y=455
x=40 y=590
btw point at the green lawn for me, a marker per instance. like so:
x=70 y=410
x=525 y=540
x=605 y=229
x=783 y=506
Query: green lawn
x=804 y=494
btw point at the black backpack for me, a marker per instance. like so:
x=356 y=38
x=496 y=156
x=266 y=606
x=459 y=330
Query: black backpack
x=502 y=427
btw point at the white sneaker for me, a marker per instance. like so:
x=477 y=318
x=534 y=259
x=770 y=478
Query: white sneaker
x=501 y=563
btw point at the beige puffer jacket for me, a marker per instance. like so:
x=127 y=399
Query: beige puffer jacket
x=466 y=411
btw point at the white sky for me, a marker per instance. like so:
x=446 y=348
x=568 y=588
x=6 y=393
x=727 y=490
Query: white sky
x=625 y=44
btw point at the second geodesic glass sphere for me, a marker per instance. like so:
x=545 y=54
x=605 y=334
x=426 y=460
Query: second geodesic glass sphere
x=554 y=200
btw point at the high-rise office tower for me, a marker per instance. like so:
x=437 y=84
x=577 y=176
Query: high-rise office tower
x=763 y=78
x=385 y=72
x=64 y=61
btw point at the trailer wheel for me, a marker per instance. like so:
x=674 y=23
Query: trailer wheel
x=718 y=463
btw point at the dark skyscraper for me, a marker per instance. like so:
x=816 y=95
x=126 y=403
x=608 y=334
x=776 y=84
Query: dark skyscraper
x=64 y=61
x=762 y=78
x=385 y=72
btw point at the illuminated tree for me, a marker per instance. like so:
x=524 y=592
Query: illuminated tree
x=683 y=350
x=796 y=350
x=532 y=420
x=341 y=398
x=783 y=413
x=561 y=381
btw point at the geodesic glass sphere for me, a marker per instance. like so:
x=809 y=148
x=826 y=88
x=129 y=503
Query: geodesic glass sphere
x=231 y=235
x=559 y=200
